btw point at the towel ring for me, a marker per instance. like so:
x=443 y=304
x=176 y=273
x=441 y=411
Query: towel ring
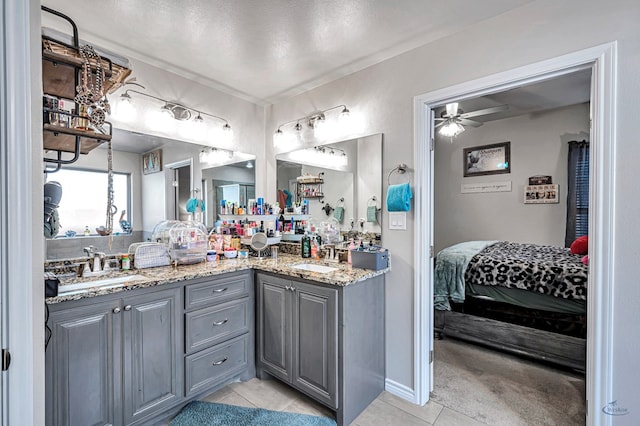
x=340 y=202
x=400 y=168
x=375 y=201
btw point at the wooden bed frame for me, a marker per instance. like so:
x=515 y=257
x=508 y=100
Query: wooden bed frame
x=555 y=348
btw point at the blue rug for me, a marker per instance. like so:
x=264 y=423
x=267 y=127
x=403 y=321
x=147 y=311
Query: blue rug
x=199 y=413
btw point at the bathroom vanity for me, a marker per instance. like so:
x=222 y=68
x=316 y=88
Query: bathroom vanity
x=137 y=353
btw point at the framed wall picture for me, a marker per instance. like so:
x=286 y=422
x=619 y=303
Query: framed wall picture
x=152 y=162
x=487 y=159
x=542 y=194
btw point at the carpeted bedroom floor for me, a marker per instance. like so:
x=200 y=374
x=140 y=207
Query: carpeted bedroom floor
x=498 y=389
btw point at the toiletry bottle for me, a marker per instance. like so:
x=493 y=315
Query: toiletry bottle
x=86 y=231
x=126 y=265
x=352 y=246
x=314 y=247
x=306 y=246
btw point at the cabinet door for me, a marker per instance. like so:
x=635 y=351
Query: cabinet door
x=82 y=359
x=315 y=340
x=274 y=326
x=153 y=368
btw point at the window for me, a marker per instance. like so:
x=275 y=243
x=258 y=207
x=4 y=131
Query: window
x=84 y=199
x=577 y=192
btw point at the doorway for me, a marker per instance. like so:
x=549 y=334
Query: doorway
x=181 y=177
x=601 y=60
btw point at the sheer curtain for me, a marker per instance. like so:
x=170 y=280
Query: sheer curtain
x=577 y=192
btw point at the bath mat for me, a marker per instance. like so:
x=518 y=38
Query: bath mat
x=199 y=413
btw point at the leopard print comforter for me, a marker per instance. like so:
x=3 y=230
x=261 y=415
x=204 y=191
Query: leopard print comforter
x=543 y=269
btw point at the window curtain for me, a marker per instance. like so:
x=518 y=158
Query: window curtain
x=577 y=192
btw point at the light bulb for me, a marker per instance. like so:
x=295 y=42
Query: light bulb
x=125 y=111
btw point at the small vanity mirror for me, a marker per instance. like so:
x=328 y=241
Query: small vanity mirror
x=340 y=181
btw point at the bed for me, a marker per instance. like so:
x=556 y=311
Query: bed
x=527 y=299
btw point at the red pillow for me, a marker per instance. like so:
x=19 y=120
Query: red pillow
x=580 y=245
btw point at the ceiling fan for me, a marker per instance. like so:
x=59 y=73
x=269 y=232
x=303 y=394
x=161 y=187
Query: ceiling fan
x=453 y=119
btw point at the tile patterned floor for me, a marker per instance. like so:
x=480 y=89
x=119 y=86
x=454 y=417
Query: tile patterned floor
x=386 y=410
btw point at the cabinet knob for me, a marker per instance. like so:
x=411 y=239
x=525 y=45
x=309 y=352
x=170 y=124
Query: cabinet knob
x=219 y=362
x=220 y=290
x=116 y=310
x=224 y=321
x=127 y=308
x=287 y=288
x=292 y=288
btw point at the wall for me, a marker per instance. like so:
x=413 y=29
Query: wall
x=540 y=30
x=538 y=147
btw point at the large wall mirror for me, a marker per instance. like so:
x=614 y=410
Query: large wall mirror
x=351 y=182
x=146 y=198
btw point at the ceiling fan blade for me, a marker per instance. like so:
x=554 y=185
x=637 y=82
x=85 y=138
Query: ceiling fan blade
x=484 y=111
x=467 y=122
x=439 y=124
x=440 y=119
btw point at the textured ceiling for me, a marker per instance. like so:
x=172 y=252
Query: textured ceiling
x=268 y=50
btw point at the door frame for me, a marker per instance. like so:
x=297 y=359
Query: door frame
x=602 y=60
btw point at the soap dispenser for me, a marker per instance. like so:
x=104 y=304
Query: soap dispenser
x=352 y=246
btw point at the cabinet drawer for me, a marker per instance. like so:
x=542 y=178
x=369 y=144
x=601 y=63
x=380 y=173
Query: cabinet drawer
x=209 y=326
x=210 y=367
x=218 y=290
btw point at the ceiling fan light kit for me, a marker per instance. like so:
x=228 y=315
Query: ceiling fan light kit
x=453 y=120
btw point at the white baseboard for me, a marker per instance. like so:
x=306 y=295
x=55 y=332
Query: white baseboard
x=400 y=390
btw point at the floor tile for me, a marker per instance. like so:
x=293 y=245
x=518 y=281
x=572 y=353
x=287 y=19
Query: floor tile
x=268 y=394
x=234 y=398
x=428 y=412
x=304 y=405
x=380 y=413
x=449 y=417
x=217 y=396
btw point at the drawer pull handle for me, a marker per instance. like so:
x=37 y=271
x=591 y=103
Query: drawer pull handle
x=220 y=290
x=219 y=362
x=127 y=308
x=224 y=321
x=116 y=310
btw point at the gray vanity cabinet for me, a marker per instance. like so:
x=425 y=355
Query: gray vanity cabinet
x=82 y=360
x=152 y=363
x=326 y=341
x=114 y=362
x=298 y=335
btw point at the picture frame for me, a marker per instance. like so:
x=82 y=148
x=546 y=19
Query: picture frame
x=487 y=159
x=152 y=162
x=542 y=194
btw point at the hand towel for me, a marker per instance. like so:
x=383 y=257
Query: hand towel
x=371 y=214
x=399 y=198
x=338 y=213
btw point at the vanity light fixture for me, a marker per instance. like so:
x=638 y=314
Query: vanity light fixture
x=173 y=110
x=317 y=121
x=210 y=155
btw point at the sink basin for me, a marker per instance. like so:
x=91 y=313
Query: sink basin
x=99 y=284
x=312 y=267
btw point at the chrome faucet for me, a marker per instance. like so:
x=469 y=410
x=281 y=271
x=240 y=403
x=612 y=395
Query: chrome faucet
x=97 y=261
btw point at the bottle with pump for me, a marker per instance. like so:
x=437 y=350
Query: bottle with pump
x=86 y=231
x=352 y=246
x=306 y=246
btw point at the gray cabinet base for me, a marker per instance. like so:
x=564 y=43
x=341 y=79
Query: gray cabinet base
x=361 y=349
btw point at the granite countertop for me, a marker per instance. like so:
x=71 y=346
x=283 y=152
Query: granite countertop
x=345 y=275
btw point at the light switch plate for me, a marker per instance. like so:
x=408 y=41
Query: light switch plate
x=398 y=221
